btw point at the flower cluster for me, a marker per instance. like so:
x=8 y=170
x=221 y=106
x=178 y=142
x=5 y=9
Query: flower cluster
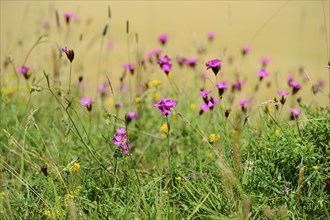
x=165 y=106
x=164 y=63
x=120 y=139
x=209 y=102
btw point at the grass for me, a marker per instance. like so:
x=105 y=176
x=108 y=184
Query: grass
x=58 y=159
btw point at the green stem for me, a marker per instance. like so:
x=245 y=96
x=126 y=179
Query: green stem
x=168 y=146
x=70 y=78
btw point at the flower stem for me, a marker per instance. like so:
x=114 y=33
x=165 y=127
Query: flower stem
x=168 y=146
x=70 y=78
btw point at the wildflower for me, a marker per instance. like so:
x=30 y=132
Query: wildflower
x=154 y=53
x=295 y=87
x=164 y=128
x=180 y=60
x=130 y=67
x=237 y=85
x=249 y=165
x=164 y=63
x=69 y=53
x=163 y=39
x=68 y=16
x=178 y=178
x=87 y=102
x=111 y=44
x=282 y=94
x=211 y=35
x=155 y=96
x=318 y=86
x=165 y=106
x=24 y=70
x=131 y=116
x=315 y=167
x=277 y=132
x=222 y=86
x=215 y=65
x=75 y=167
x=192 y=106
x=246 y=49
x=243 y=104
x=265 y=61
x=213 y=138
x=205 y=93
x=208 y=104
x=120 y=139
x=137 y=100
x=263 y=74
x=47 y=214
x=295 y=112
x=191 y=62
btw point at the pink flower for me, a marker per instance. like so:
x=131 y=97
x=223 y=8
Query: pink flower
x=243 y=102
x=163 y=39
x=164 y=63
x=215 y=65
x=281 y=93
x=24 y=70
x=295 y=87
x=69 y=53
x=130 y=67
x=211 y=35
x=237 y=85
x=205 y=93
x=103 y=89
x=246 y=49
x=263 y=74
x=154 y=52
x=192 y=61
x=120 y=139
x=222 y=86
x=208 y=104
x=295 y=111
x=165 y=106
x=265 y=61
x=111 y=44
x=68 y=16
x=87 y=102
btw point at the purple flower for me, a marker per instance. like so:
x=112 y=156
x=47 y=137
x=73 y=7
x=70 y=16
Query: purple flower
x=180 y=60
x=237 y=85
x=265 y=61
x=191 y=61
x=103 y=89
x=263 y=74
x=152 y=53
x=68 y=16
x=222 y=86
x=215 y=65
x=295 y=86
x=24 y=70
x=87 y=102
x=167 y=67
x=295 y=112
x=164 y=63
x=69 y=53
x=120 y=139
x=163 y=39
x=243 y=102
x=132 y=116
x=164 y=59
x=246 y=49
x=211 y=35
x=130 y=67
x=282 y=93
x=165 y=106
x=208 y=104
x=205 y=93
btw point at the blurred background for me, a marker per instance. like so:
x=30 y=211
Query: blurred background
x=293 y=34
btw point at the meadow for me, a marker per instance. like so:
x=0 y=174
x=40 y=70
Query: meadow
x=165 y=110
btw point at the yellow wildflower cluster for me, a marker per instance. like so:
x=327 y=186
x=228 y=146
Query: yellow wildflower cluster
x=154 y=83
x=137 y=100
x=71 y=195
x=47 y=214
x=164 y=128
x=213 y=138
x=75 y=167
x=277 y=132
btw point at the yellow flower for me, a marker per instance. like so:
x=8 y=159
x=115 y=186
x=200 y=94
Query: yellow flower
x=156 y=96
x=47 y=214
x=137 y=100
x=164 y=128
x=209 y=154
x=192 y=106
x=75 y=167
x=213 y=138
x=178 y=178
x=110 y=101
x=277 y=132
x=315 y=167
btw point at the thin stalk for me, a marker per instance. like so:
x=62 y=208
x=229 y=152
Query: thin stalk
x=169 y=159
x=70 y=79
